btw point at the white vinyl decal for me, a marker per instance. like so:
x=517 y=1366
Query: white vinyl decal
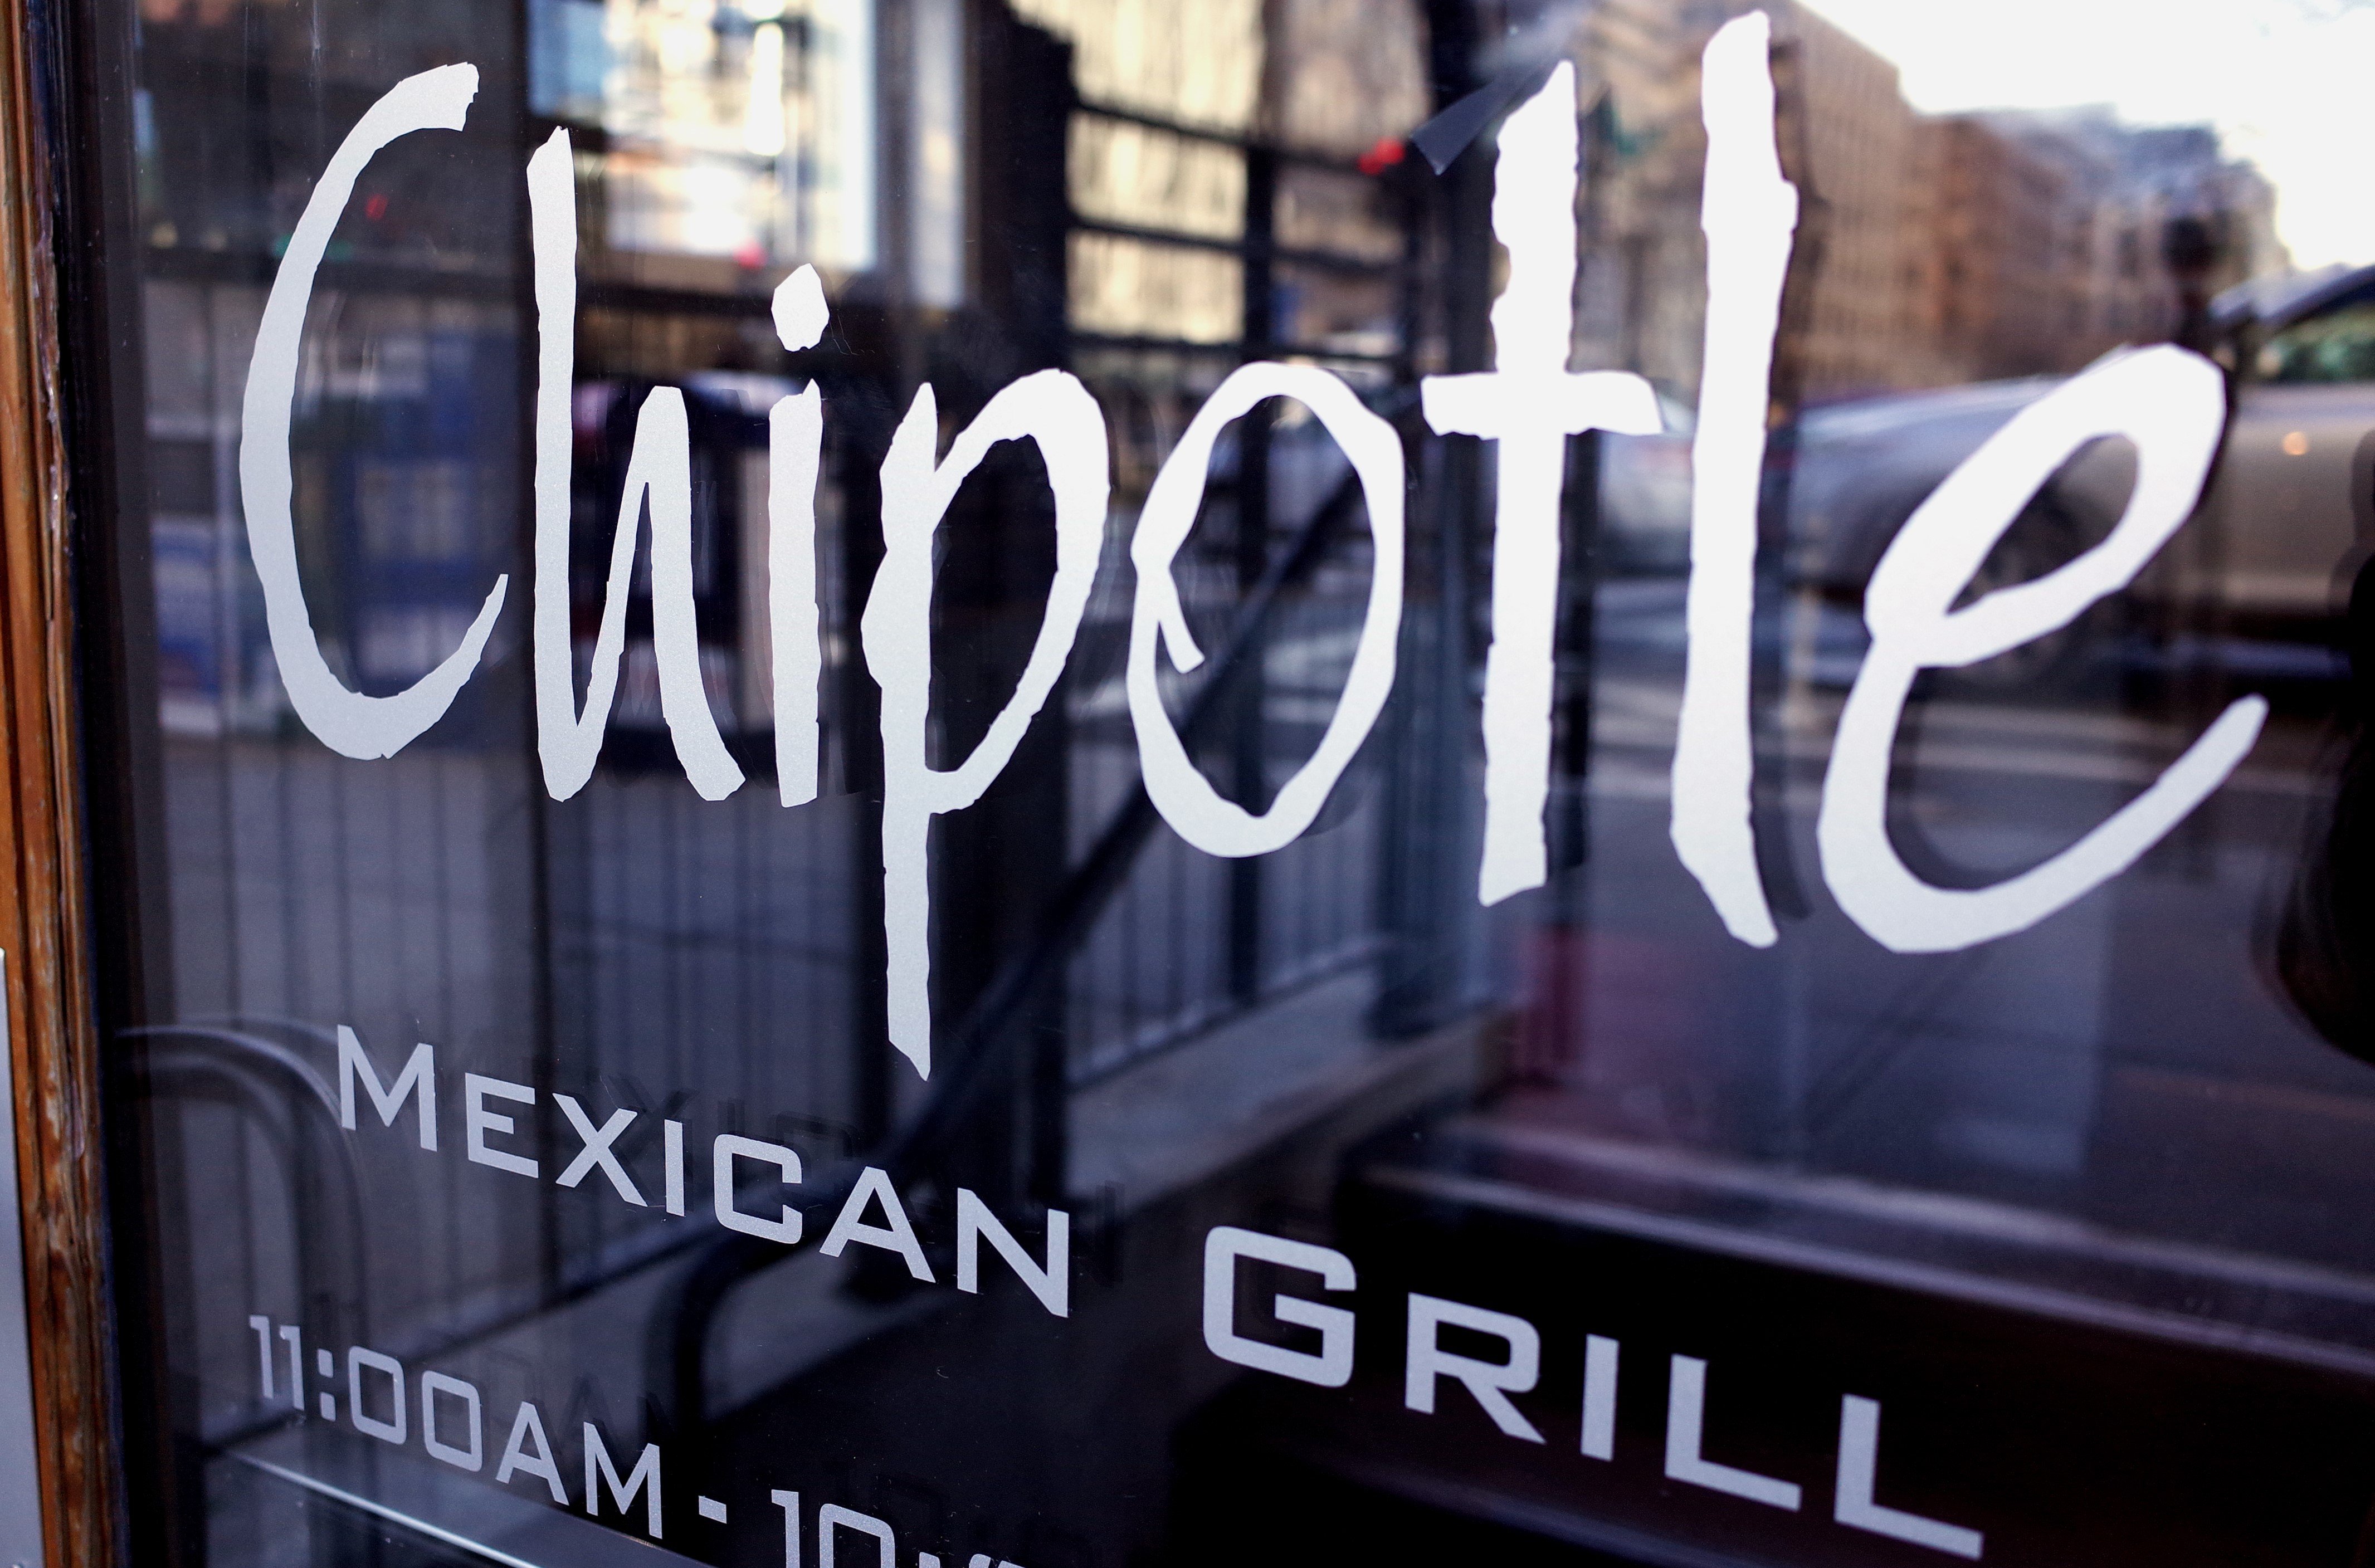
x=1852 y=1504
x=1529 y=402
x=660 y=467
x=1750 y=213
x=1055 y=411
x=2171 y=403
x=1186 y=798
x=795 y=447
x=347 y=722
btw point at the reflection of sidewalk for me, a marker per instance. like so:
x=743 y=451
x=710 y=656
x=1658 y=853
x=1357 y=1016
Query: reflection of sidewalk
x=1519 y=1160
x=1634 y=720
x=2076 y=1395
x=1261 y=1081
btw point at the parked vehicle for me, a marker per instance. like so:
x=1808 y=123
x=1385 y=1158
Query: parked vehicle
x=2283 y=526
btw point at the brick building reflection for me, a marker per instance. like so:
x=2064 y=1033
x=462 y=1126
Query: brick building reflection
x=1933 y=249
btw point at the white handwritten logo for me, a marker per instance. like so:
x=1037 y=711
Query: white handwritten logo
x=2167 y=401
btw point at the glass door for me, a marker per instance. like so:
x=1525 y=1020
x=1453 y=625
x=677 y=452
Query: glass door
x=1064 y=783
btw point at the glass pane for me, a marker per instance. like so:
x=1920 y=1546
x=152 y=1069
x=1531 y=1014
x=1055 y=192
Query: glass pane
x=1065 y=783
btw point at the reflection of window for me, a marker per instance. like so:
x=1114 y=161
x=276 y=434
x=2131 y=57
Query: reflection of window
x=1130 y=289
x=1128 y=173
x=2337 y=346
x=742 y=130
x=1196 y=62
x=935 y=201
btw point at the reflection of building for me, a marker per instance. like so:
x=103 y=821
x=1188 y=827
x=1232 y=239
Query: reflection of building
x=1851 y=142
x=2053 y=234
x=2133 y=192
x=1930 y=251
x=1644 y=274
x=1999 y=238
x=2036 y=242
x=1846 y=139
x=1197 y=64
x=738 y=131
x=1166 y=209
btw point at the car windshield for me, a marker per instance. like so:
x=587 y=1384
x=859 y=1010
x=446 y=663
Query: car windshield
x=2333 y=346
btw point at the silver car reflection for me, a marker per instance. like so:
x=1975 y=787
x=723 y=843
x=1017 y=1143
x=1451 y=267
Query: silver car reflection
x=2263 y=569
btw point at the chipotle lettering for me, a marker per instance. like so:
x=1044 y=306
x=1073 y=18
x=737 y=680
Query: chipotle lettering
x=2167 y=401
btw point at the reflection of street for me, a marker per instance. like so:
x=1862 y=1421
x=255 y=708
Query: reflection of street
x=2124 y=1062
x=2021 y=1193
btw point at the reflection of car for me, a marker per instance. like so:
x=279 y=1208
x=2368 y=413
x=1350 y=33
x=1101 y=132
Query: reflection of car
x=2289 y=512
x=1860 y=469
x=2279 y=533
x=1645 y=496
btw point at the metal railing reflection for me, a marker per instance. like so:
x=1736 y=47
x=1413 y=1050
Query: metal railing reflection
x=992 y=1035
x=277 y=1097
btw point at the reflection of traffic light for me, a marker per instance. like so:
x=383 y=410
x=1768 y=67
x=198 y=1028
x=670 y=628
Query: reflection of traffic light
x=2190 y=247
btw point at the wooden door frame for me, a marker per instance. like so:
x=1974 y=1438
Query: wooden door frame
x=45 y=911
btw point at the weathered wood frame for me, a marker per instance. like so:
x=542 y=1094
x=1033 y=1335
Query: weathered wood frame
x=44 y=913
